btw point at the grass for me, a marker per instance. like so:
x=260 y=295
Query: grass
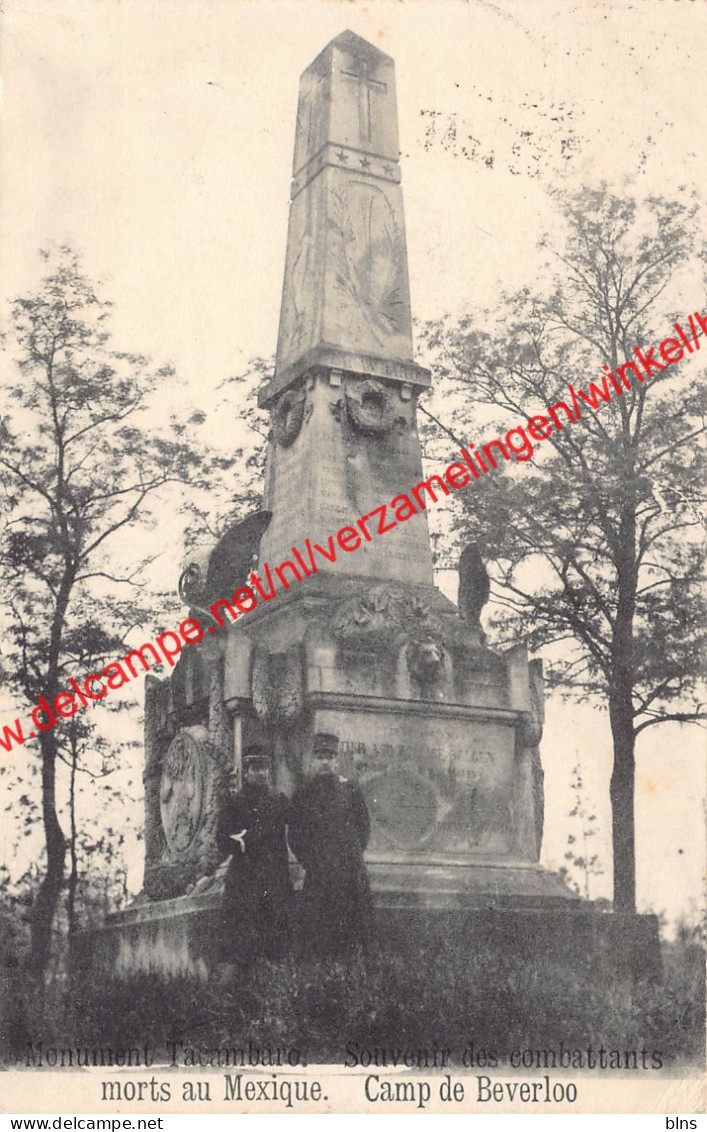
x=385 y=1001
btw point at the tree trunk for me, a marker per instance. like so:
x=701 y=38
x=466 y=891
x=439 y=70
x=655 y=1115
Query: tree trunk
x=622 y=802
x=73 y=856
x=47 y=898
x=621 y=715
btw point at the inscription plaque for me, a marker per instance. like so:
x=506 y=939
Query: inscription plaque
x=443 y=785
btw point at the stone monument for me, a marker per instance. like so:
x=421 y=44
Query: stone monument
x=441 y=732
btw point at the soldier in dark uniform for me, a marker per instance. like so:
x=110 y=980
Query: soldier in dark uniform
x=257 y=897
x=328 y=830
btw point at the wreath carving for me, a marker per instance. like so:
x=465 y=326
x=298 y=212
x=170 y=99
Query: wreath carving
x=288 y=416
x=370 y=408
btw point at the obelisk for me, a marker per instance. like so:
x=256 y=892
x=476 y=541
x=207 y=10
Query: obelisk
x=343 y=396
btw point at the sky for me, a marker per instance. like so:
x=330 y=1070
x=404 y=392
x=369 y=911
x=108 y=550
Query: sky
x=157 y=136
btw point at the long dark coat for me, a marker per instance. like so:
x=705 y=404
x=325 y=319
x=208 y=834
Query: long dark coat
x=328 y=830
x=257 y=898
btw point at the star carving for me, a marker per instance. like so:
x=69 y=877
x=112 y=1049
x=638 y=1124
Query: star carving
x=365 y=163
x=342 y=156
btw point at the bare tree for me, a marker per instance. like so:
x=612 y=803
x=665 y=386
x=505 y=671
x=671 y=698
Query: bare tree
x=79 y=468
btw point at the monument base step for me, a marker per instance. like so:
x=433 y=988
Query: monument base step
x=446 y=883
x=566 y=933
x=179 y=937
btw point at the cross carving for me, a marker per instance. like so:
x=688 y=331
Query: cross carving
x=366 y=85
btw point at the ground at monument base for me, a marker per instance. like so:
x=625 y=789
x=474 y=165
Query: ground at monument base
x=454 y=991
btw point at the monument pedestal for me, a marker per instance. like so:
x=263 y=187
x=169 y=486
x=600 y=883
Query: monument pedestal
x=440 y=732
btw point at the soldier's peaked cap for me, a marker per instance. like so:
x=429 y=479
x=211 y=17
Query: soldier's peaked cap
x=325 y=744
x=256 y=756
